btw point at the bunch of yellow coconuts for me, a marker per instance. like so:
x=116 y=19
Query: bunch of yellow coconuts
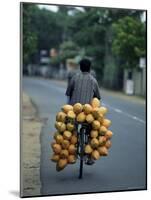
x=65 y=138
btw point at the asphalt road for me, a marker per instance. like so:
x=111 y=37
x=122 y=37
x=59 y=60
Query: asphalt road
x=123 y=169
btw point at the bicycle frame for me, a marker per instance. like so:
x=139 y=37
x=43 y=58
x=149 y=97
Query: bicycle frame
x=83 y=138
x=83 y=130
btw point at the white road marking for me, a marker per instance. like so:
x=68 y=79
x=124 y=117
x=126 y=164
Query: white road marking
x=138 y=119
x=118 y=110
x=124 y=113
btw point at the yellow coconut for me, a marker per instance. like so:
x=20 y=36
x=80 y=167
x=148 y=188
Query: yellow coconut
x=81 y=117
x=108 y=134
x=103 y=110
x=59 y=139
x=100 y=117
x=89 y=118
x=95 y=103
x=102 y=140
x=77 y=108
x=96 y=125
x=61 y=117
x=95 y=113
x=71 y=159
x=52 y=143
x=66 y=108
x=56 y=148
x=103 y=151
x=94 y=143
x=71 y=114
x=55 y=134
x=88 y=149
x=108 y=144
x=102 y=130
x=70 y=126
x=87 y=109
x=60 y=126
x=106 y=123
x=55 y=157
x=95 y=155
x=94 y=133
x=62 y=163
x=64 y=153
x=72 y=149
x=65 y=144
x=67 y=135
x=73 y=139
x=57 y=124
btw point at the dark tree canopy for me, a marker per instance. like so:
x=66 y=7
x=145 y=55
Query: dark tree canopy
x=91 y=32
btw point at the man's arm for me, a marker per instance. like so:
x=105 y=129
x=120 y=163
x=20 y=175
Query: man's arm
x=68 y=99
x=97 y=91
x=70 y=88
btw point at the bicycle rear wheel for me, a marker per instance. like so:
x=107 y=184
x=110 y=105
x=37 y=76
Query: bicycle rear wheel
x=81 y=148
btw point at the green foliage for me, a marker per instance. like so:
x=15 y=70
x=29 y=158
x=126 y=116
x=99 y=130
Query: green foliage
x=55 y=61
x=68 y=49
x=93 y=32
x=86 y=28
x=88 y=33
x=129 y=40
x=45 y=24
x=29 y=36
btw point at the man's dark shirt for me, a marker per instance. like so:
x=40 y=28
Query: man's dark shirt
x=82 y=88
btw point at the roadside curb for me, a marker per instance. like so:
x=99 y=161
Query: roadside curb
x=30 y=148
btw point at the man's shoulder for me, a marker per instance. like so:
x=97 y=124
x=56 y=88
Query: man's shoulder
x=92 y=78
x=77 y=75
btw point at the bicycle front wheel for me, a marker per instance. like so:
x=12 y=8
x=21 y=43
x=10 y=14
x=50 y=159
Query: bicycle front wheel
x=81 y=148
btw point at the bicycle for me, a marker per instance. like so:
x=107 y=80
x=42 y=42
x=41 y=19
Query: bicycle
x=83 y=135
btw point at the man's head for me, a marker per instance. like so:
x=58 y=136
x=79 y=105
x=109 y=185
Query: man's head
x=85 y=65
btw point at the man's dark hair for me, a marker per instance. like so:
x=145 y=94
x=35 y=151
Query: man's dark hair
x=85 y=65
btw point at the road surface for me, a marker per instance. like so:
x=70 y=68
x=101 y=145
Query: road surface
x=123 y=169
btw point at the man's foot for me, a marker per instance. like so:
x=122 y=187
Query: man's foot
x=89 y=161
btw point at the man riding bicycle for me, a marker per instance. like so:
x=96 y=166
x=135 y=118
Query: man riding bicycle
x=82 y=88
